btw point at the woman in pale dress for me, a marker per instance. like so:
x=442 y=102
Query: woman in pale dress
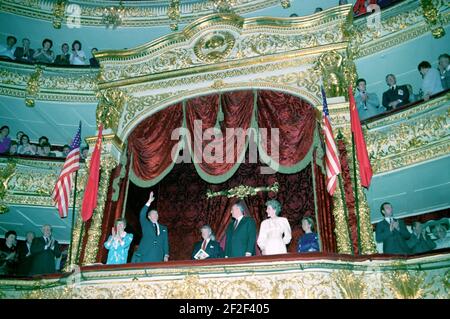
x=118 y=244
x=275 y=232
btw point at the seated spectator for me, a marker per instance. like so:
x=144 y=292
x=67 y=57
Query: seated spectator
x=19 y=135
x=45 y=150
x=118 y=244
x=77 y=57
x=396 y=96
x=412 y=97
x=209 y=245
x=64 y=57
x=84 y=152
x=44 y=250
x=5 y=140
x=444 y=70
x=309 y=241
x=293 y=15
x=13 y=148
x=319 y=9
x=443 y=240
x=25 y=257
x=24 y=53
x=8 y=254
x=420 y=242
x=41 y=141
x=66 y=150
x=7 y=52
x=431 y=80
x=25 y=148
x=342 y=2
x=93 y=61
x=392 y=232
x=45 y=55
x=367 y=103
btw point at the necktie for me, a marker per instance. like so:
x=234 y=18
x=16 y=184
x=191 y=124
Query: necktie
x=236 y=223
x=204 y=245
x=156 y=229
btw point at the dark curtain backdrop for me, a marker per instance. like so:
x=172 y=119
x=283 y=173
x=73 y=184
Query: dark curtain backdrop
x=183 y=206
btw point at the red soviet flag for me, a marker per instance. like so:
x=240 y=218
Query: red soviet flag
x=365 y=169
x=90 y=193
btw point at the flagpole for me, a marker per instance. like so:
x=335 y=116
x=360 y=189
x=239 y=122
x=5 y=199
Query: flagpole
x=73 y=217
x=356 y=193
x=79 y=241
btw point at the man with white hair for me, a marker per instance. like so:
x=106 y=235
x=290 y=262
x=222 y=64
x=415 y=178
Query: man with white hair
x=241 y=233
x=44 y=250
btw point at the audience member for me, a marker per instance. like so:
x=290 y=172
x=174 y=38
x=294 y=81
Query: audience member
x=396 y=96
x=208 y=247
x=412 y=97
x=44 y=251
x=41 y=141
x=93 y=62
x=25 y=257
x=367 y=103
x=24 y=53
x=431 y=80
x=309 y=242
x=19 y=135
x=13 y=148
x=64 y=57
x=8 y=254
x=443 y=240
x=7 y=52
x=444 y=70
x=318 y=9
x=419 y=242
x=5 y=140
x=392 y=232
x=154 y=245
x=84 y=152
x=241 y=233
x=45 y=55
x=77 y=57
x=118 y=244
x=275 y=232
x=66 y=150
x=25 y=148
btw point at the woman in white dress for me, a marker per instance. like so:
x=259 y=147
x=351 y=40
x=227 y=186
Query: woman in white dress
x=275 y=232
x=77 y=57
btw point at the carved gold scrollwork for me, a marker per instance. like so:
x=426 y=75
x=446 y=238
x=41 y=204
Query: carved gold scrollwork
x=33 y=86
x=285 y=3
x=332 y=69
x=214 y=47
x=6 y=174
x=58 y=13
x=243 y=191
x=173 y=12
x=433 y=18
x=110 y=106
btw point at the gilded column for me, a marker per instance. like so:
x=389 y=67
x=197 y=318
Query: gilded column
x=344 y=243
x=95 y=231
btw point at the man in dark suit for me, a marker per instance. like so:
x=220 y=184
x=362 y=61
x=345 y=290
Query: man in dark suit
x=208 y=245
x=154 y=245
x=396 y=96
x=44 y=250
x=420 y=242
x=241 y=233
x=24 y=53
x=25 y=257
x=392 y=232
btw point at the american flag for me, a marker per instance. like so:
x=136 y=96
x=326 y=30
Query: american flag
x=332 y=163
x=63 y=187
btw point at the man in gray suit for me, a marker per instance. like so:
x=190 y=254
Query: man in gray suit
x=154 y=245
x=392 y=232
x=367 y=103
x=444 y=69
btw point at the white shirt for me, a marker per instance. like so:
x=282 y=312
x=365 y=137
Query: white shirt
x=432 y=82
x=4 y=51
x=389 y=219
x=75 y=60
x=238 y=220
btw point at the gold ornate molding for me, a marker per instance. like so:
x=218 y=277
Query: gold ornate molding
x=377 y=279
x=59 y=9
x=109 y=108
x=409 y=137
x=243 y=191
x=6 y=173
x=433 y=17
x=33 y=86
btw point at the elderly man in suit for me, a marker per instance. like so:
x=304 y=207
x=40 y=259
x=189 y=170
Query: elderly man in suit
x=392 y=232
x=44 y=250
x=208 y=245
x=154 y=245
x=396 y=96
x=241 y=233
x=25 y=258
x=367 y=103
x=444 y=69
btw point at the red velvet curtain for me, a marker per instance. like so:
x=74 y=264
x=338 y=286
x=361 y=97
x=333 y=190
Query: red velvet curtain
x=237 y=108
x=151 y=145
x=326 y=223
x=295 y=119
x=349 y=195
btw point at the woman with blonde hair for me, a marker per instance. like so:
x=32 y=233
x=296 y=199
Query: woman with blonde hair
x=118 y=244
